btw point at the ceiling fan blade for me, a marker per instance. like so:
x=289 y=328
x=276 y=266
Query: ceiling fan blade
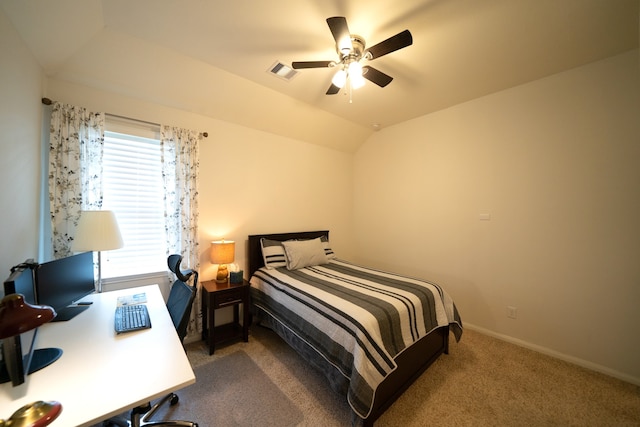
x=340 y=31
x=333 y=89
x=376 y=76
x=311 y=64
x=391 y=44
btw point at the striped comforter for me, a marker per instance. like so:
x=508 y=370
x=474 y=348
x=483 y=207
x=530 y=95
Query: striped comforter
x=357 y=318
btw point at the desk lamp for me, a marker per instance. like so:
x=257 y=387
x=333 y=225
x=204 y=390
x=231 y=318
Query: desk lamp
x=97 y=231
x=222 y=253
x=16 y=318
x=36 y=414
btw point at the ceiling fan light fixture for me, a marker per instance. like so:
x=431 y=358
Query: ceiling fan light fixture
x=340 y=78
x=344 y=45
x=355 y=69
x=355 y=75
x=357 y=81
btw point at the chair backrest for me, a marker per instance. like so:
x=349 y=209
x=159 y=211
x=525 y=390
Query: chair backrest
x=174 y=261
x=181 y=296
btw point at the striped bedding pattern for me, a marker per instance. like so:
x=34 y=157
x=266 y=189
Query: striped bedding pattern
x=357 y=318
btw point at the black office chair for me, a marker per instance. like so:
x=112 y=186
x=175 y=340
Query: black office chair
x=182 y=295
x=179 y=304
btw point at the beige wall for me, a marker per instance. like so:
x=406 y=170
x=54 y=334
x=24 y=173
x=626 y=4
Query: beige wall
x=251 y=181
x=555 y=165
x=20 y=121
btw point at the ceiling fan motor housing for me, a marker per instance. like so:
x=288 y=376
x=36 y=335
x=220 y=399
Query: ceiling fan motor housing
x=355 y=53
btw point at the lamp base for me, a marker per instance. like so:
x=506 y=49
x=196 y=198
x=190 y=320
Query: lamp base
x=36 y=414
x=43 y=357
x=223 y=274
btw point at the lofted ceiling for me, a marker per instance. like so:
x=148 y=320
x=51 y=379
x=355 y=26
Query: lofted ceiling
x=212 y=57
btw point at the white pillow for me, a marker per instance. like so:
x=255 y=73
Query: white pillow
x=304 y=253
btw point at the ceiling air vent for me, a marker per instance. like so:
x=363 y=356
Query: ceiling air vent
x=282 y=71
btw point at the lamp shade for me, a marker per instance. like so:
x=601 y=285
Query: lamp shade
x=339 y=78
x=223 y=251
x=355 y=74
x=97 y=231
x=18 y=316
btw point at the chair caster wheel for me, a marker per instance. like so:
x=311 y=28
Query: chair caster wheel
x=174 y=399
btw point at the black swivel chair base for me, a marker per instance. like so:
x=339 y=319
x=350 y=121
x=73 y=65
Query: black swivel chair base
x=141 y=414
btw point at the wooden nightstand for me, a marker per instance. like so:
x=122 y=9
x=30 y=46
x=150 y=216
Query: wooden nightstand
x=219 y=295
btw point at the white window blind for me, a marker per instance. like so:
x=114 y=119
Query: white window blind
x=133 y=189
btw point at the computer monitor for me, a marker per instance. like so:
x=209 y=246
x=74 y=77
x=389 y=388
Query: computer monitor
x=61 y=283
x=19 y=358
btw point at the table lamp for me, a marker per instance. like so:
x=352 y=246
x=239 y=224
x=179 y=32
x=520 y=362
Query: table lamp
x=97 y=231
x=222 y=253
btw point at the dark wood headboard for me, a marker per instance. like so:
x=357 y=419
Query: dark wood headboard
x=255 y=252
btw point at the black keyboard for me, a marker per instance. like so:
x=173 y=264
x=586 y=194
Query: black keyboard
x=132 y=318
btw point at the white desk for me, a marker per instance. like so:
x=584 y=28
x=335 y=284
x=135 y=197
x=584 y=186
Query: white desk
x=101 y=374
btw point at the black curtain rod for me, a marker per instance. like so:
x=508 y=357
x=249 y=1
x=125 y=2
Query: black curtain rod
x=47 y=101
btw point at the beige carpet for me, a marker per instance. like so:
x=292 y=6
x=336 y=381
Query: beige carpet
x=232 y=391
x=482 y=382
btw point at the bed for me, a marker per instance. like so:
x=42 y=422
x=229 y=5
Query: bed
x=371 y=333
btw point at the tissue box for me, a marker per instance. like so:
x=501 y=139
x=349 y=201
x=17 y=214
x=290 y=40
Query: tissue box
x=235 y=277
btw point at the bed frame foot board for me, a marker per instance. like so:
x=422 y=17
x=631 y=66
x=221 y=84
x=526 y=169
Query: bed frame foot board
x=411 y=364
x=446 y=342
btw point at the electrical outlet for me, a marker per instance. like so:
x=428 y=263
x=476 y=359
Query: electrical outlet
x=512 y=312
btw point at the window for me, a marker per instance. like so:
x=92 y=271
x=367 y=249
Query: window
x=133 y=189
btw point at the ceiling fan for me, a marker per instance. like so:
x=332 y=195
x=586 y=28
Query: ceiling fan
x=352 y=52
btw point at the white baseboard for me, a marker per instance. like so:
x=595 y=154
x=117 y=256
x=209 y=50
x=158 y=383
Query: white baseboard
x=547 y=351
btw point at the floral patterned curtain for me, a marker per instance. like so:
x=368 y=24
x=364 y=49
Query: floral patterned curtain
x=180 y=169
x=76 y=141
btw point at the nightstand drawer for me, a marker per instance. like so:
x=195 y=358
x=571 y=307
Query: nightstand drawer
x=231 y=297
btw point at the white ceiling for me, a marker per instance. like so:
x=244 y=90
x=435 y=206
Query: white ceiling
x=212 y=57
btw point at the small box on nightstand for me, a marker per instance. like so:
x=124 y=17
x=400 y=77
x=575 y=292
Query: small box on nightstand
x=235 y=277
